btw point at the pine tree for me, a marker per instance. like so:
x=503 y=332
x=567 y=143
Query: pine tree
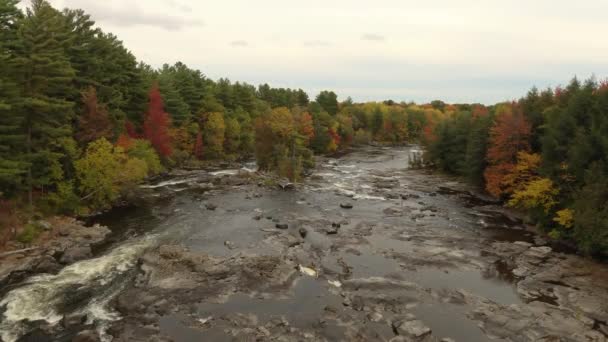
x=45 y=76
x=12 y=139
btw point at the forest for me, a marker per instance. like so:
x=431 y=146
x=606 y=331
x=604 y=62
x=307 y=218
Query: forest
x=545 y=154
x=82 y=121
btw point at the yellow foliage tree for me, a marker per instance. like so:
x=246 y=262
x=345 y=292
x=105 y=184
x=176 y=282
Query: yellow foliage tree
x=539 y=193
x=565 y=218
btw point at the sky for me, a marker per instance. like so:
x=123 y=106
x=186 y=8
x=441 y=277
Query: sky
x=458 y=51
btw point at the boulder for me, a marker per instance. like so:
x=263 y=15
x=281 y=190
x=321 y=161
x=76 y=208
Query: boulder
x=47 y=264
x=74 y=254
x=413 y=329
x=346 y=205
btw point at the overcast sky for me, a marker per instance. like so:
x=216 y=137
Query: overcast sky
x=455 y=50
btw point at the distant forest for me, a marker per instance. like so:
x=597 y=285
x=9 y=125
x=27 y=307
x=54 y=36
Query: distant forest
x=82 y=121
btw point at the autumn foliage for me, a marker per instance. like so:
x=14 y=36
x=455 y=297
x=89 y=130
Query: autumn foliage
x=156 y=124
x=509 y=135
x=95 y=122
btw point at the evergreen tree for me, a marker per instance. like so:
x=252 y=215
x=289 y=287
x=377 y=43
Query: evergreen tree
x=45 y=76
x=12 y=159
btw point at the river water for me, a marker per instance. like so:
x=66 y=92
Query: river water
x=420 y=230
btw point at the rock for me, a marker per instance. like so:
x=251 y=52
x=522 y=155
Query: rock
x=47 y=264
x=303 y=232
x=286 y=185
x=87 y=336
x=44 y=225
x=73 y=319
x=210 y=206
x=281 y=225
x=447 y=339
x=331 y=231
x=346 y=205
x=335 y=225
x=76 y=254
x=257 y=217
x=375 y=317
x=414 y=329
x=229 y=244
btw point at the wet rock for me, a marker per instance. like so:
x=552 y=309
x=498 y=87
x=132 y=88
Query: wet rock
x=210 y=206
x=332 y=231
x=229 y=244
x=87 y=336
x=413 y=329
x=47 y=264
x=303 y=232
x=76 y=254
x=346 y=205
x=73 y=320
x=409 y=196
x=281 y=225
x=286 y=185
x=375 y=317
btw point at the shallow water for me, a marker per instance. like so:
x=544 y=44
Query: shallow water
x=372 y=243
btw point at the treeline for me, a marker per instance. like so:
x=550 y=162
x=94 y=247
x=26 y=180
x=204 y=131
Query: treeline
x=546 y=154
x=82 y=121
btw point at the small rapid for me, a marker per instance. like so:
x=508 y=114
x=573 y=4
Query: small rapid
x=85 y=287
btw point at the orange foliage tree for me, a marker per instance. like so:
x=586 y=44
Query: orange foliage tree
x=509 y=135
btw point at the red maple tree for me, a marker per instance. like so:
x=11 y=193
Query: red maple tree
x=509 y=135
x=156 y=124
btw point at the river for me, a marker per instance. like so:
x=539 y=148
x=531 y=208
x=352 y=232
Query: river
x=419 y=256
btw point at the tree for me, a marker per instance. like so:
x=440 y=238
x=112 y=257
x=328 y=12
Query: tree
x=214 y=131
x=198 y=146
x=105 y=171
x=156 y=124
x=328 y=101
x=591 y=211
x=44 y=74
x=509 y=135
x=232 y=136
x=13 y=161
x=94 y=123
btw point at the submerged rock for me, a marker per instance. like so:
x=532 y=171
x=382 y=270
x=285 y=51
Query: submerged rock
x=87 y=336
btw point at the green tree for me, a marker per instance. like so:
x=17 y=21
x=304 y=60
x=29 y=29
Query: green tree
x=45 y=75
x=13 y=162
x=329 y=101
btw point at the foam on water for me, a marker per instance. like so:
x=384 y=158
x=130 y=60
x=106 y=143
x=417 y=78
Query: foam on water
x=41 y=298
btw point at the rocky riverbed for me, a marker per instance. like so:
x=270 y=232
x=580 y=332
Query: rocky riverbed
x=363 y=250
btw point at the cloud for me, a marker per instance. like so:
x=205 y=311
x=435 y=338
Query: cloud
x=373 y=37
x=129 y=13
x=239 y=43
x=178 y=5
x=316 y=43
